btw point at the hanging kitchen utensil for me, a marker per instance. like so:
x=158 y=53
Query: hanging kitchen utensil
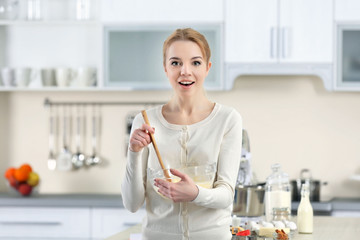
x=94 y=159
x=64 y=157
x=166 y=173
x=78 y=158
x=51 y=163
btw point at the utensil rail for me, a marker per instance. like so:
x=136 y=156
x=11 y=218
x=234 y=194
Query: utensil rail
x=49 y=103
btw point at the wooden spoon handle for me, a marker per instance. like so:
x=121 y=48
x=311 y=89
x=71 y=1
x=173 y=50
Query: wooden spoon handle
x=143 y=112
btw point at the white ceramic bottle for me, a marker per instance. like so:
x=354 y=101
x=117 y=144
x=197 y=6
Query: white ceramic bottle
x=305 y=212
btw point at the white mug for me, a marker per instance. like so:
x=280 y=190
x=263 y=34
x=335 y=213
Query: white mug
x=8 y=77
x=48 y=77
x=84 y=77
x=22 y=77
x=63 y=77
x=35 y=78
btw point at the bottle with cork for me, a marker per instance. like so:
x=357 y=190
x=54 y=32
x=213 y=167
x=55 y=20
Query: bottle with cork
x=305 y=214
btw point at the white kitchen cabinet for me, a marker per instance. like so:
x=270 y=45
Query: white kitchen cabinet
x=278 y=37
x=50 y=44
x=44 y=222
x=347 y=10
x=60 y=41
x=124 y=48
x=248 y=30
x=109 y=221
x=347 y=57
x=268 y=31
x=162 y=11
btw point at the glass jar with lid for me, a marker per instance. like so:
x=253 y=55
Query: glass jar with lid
x=277 y=191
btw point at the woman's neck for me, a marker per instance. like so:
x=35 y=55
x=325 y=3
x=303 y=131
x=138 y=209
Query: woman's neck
x=185 y=111
x=188 y=105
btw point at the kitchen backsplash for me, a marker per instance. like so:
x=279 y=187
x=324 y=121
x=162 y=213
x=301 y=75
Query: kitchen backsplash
x=290 y=120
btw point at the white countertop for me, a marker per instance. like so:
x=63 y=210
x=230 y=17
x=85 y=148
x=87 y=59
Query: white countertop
x=61 y=200
x=325 y=228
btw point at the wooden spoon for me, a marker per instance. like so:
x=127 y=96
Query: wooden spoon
x=143 y=112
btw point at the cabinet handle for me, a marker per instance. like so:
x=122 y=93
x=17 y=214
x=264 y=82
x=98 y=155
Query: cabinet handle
x=29 y=223
x=273 y=42
x=285 y=42
x=130 y=224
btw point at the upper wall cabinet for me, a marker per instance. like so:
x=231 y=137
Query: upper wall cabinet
x=278 y=37
x=269 y=31
x=347 y=10
x=143 y=11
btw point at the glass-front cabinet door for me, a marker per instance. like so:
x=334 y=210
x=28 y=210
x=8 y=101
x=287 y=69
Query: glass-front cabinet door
x=134 y=60
x=347 y=72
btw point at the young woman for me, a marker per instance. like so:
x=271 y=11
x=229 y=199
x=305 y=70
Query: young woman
x=189 y=130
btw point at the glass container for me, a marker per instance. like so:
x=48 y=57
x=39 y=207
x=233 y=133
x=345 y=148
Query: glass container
x=277 y=191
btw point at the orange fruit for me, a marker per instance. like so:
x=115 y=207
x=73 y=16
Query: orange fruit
x=9 y=173
x=21 y=174
x=26 y=167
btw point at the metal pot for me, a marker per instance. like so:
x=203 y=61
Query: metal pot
x=315 y=185
x=249 y=200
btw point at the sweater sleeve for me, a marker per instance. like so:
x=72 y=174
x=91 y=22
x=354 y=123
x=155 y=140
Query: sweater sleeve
x=134 y=183
x=222 y=195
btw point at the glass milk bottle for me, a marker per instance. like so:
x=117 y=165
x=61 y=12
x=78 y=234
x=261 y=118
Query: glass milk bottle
x=277 y=191
x=305 y=212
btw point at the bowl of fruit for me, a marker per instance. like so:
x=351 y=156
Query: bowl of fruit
x=23 y=180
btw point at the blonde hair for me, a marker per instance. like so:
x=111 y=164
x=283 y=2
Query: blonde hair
x=188 y=34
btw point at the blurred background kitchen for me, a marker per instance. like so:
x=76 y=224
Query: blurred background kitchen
x=291 y=68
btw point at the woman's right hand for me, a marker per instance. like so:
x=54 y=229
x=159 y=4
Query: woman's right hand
x=140 y=138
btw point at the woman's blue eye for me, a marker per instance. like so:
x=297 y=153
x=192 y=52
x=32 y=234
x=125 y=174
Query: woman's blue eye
x=175 y=63
x=197 y=63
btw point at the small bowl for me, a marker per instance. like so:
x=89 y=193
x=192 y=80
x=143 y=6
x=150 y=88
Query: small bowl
x=159 y=173
x=202 y=175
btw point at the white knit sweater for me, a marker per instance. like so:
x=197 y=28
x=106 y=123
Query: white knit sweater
x=217 y=138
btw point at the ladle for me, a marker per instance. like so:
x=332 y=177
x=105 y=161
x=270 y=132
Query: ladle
x=64 y=158
x=94 y=158
x=78 y=158
x=166 y=174
x=51 y=163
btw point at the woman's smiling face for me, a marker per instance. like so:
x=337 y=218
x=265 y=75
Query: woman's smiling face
x=185 y=66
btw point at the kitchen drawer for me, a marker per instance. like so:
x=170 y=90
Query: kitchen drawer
x=44 y=222
x=109 y=221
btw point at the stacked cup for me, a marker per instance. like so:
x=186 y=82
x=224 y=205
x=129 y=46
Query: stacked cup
x=48 y=77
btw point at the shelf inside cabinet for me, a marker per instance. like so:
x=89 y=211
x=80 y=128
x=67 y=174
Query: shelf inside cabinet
x=47 y=22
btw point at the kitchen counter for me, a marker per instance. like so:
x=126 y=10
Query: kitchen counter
x=325 y=228
x=328 y=208
x=115 y=200
x=61 y=200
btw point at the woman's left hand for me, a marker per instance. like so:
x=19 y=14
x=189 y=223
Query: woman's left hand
x=183 y=191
